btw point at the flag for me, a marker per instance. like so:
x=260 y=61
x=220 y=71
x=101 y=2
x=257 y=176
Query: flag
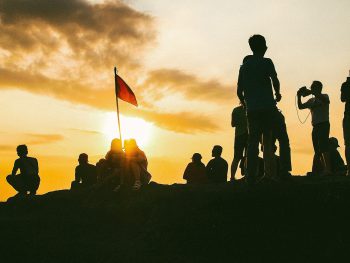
x=124 y=92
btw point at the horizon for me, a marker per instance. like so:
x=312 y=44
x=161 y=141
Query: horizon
x=181 y=60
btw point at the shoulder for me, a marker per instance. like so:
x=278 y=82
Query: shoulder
x=223 y=161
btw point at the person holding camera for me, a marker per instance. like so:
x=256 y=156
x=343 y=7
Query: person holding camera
x=319 y=107
x=345 y=97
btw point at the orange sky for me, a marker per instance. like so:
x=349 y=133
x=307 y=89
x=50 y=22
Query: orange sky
x=181 y=58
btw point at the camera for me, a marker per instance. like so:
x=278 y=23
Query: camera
x=304 y=91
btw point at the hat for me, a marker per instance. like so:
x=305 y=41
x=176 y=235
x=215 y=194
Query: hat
x=196 y=156
x=334 y=141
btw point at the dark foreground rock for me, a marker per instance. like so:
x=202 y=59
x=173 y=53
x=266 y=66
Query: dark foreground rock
x=306 y=220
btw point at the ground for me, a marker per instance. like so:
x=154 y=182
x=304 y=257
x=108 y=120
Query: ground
x=304 y=220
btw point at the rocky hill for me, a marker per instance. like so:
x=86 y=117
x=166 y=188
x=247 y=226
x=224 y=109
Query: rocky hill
x=305 y=220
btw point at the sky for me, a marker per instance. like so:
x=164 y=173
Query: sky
x=181 y=58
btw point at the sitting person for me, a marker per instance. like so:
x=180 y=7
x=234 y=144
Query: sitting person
x=85 y=173
x=195 y=172
x=110 y=168
x=28 y=180
x=136 y=163
x=217 y=168
x=338 y=166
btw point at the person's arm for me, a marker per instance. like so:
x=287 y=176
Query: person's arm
x=15 y=168
x=344 y=93
x=77 y=175
x=302 y=105
x=275 y=82
x=240 y=92
x=185 y=176
x=36 y=166
x=233 y=119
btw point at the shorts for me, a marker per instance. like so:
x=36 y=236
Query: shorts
x=240 y=146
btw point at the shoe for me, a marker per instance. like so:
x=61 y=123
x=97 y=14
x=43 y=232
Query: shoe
x=137 y=185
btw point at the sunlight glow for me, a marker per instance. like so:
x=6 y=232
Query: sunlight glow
x=136 y=128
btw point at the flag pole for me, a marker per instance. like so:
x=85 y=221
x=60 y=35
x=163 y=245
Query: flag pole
x=116 y=95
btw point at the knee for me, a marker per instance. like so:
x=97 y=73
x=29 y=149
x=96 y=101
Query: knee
x=9 y=178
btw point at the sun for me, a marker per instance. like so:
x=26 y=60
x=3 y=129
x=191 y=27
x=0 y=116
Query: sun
x=131 y=127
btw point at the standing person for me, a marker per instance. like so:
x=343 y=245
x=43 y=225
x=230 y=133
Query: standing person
x=281 y=135
x=345 y=97
x=319 y=107
x=254 y=90
x=217 y=168
x=239 y=122
x=195 y=172
x=28 y=180
x=85 y=173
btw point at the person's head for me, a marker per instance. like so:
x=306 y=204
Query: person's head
x=116 y=145
x=22 y=150
x=333 y=143
x=316 y=87
x=217 y=150
x=130 y=145
x=257 y=44
x=196 y=157
x=83 y=158
x=246 y=58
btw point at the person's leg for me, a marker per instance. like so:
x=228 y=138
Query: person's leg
x=269 y=166
x=16 y=181
x=324 y=146
x=254 y=134
x=136 y=172
x=240 y=142
x=281 y=135
x=34 y=183
x=346 y=131
x=316 y=164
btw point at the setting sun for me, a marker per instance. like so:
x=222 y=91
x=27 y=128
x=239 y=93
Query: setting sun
x=131 y=127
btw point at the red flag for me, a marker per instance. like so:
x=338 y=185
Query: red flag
x=124 y=92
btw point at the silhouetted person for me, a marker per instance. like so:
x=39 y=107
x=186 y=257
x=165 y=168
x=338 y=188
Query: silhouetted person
x=281 y=135
x=254 y=90
x=217 y=168
x=337 y=162
x=85 y=173
x=195 y=172
x=345 y=97
x=136 y=165
x=28 y=180
x=319 y=107
x=239 y=122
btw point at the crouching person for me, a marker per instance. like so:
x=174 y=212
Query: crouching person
x=135 y=172
x=28 y=180
x=85 y=173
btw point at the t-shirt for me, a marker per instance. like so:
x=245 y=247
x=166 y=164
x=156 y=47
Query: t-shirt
x=86 y=173
x=195 y=173
x=27 y=165
x=345 y=93
x=239 y=121
x=255 y=80
x=319 y=109
x=217 y=170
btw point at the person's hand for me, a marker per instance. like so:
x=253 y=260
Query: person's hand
x=278 y=97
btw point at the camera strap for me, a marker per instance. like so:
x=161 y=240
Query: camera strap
x=296 y=108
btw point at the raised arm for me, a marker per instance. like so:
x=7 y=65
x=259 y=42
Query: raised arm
x=301 y=105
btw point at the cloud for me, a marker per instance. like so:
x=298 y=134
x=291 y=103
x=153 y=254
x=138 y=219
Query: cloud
x=67 y=49
x=6 y=148
x=88 y=132
x=191 y=86
x=36 y=139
